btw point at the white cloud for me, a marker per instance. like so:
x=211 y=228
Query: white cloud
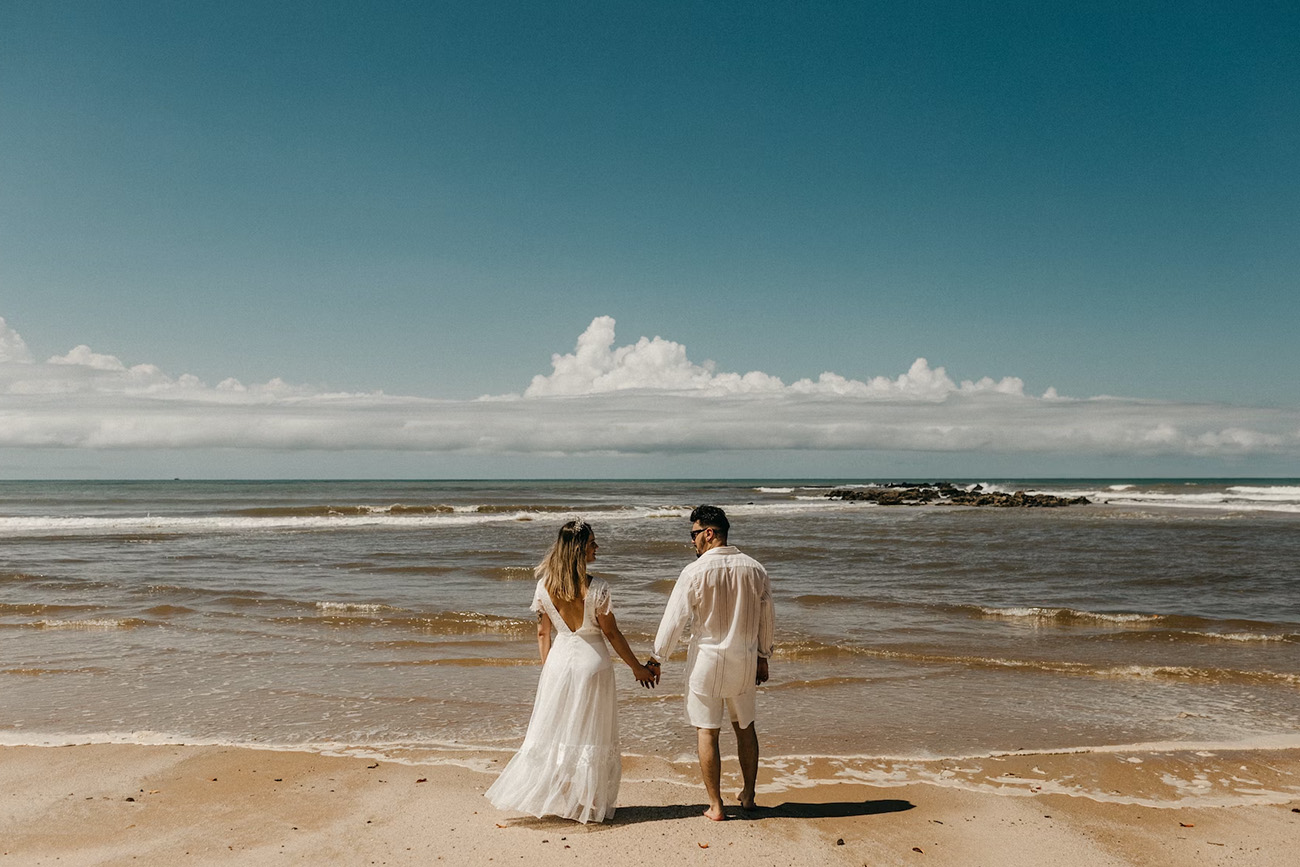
x=12 y=346
x=596 y=367
x=82 y=356
x=645 y=397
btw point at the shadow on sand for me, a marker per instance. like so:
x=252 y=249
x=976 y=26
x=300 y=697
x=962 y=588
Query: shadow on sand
x=788 y=810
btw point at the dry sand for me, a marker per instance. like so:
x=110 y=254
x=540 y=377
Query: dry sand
x=166 y=805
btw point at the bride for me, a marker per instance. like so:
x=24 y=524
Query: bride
x=570 y=763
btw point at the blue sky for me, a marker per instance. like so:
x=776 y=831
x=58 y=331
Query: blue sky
x=432 y=200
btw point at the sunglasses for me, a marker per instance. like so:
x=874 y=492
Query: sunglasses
x=695 y=533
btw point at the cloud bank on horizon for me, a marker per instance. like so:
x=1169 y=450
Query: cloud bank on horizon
x=641 y=398
x=596 y=367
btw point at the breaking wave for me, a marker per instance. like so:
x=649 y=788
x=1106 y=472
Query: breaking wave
x=1063 y=615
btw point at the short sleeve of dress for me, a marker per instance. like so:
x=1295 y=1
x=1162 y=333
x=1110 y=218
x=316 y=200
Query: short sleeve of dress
x=599 y=592
x=536 y=607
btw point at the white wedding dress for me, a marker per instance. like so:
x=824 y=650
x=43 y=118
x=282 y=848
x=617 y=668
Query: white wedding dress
x=570 y=764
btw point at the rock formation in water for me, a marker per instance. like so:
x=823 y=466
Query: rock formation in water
x=948 y=494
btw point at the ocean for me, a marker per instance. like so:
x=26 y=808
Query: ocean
x=390 y=618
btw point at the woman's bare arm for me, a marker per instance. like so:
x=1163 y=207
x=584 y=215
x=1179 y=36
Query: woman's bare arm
x=543 y=635
x=609 y=626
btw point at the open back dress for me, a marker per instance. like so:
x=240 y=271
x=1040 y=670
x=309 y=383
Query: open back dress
x=569 y=764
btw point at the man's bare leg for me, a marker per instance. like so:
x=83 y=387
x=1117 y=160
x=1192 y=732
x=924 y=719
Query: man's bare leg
x=747 y=750
x=711 y=771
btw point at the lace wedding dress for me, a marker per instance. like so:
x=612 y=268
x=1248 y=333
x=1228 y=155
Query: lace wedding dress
x=570 y=764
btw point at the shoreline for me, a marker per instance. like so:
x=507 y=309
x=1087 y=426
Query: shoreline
x=1155 y=775
x=112 y=803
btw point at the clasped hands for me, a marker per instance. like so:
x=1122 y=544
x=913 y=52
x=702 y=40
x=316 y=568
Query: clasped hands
x=653 y=668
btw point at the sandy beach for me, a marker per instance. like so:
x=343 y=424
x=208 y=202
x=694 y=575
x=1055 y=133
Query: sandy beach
x=131 y=804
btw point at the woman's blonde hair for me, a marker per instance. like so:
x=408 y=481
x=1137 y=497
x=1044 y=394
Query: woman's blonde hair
x=565 y=566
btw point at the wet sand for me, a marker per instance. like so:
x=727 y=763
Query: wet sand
x=128 y=804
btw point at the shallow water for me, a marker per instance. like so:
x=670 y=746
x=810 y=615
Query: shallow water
x=392 y=616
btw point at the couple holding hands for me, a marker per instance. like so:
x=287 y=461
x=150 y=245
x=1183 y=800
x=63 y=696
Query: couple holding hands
x=570 y=764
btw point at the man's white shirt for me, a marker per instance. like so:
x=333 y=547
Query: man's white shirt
x=725 y=597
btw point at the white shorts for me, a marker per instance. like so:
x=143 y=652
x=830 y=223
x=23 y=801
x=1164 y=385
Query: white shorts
x=705 y=711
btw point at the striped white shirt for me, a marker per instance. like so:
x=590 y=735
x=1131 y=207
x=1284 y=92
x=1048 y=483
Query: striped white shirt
x=726 y=599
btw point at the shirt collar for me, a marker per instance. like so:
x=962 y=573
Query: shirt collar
x=721 y=549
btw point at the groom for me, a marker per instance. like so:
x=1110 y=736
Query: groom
x=726 y=599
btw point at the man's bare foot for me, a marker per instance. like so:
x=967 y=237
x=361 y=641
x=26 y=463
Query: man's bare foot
x=746 y=801
x=715 y=814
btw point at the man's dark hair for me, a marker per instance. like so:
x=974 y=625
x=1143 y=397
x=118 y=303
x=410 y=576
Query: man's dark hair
x=711 y=516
